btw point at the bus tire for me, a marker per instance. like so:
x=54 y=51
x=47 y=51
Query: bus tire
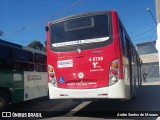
x=48 y=95
x=4 y=100
x=134 y=95
x=135 y=90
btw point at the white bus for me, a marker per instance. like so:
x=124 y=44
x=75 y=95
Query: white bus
x=23 y=73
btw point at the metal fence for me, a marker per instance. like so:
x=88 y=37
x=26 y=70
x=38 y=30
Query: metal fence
x=152 y=71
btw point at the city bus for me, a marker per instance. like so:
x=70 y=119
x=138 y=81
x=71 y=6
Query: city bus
x=23 y=73
x=91 y=56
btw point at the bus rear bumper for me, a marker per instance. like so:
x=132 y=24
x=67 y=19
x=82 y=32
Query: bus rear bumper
x=116 y=91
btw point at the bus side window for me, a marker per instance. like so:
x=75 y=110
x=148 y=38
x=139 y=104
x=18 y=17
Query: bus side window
x=124 y=44
x=22 y=66
x=40 y=62
x=23 y=60
x=6 y=61
x=129 y=50
x=123 y=39
x=132 y=54
x=26 y=56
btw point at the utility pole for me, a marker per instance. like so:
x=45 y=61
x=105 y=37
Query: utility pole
x=158 y=28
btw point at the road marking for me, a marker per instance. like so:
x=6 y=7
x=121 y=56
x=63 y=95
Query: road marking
x=77 y=108
x=80 y=106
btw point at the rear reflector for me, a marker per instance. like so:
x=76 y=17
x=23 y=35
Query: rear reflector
x=104 y=94
x=63 y=95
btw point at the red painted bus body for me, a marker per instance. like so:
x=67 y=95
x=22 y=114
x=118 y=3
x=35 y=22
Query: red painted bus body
x=86 y=60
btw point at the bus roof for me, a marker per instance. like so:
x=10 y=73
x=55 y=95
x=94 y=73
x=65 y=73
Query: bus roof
x=10 y=44
x=3 y=42
x=82 y=14
x=34 y=50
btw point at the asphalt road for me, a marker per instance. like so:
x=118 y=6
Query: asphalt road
x=147 y=102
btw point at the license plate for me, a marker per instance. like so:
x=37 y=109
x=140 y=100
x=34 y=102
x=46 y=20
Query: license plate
x=82 y=84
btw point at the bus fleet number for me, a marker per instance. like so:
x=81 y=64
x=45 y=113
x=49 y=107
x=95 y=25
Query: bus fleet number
x=96 y=59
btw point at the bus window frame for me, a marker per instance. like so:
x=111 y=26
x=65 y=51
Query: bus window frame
x=82 y=46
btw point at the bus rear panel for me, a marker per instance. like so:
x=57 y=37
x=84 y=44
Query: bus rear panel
x=84 y=57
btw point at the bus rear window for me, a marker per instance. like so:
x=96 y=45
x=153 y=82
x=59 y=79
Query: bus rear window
x=79 y=23
x=84 y=32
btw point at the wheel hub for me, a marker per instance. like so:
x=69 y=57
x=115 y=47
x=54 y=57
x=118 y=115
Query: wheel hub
x=2 y=103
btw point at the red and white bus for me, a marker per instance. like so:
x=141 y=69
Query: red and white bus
x=90 y=55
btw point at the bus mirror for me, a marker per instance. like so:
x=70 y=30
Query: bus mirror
x=46 y=28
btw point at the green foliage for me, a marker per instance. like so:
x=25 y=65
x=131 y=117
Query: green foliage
x=37 y=45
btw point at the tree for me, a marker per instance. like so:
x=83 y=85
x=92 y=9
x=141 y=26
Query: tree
x=36 y=45
x=1 y=33
x=44 y=47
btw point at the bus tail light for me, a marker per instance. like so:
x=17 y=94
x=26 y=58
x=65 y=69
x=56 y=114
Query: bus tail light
x=114 y=72
x=52 y=77
x=114 y=64
x=50 y=69
x=113 y=76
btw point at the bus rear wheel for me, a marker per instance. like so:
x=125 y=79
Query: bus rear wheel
x=4 y=101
